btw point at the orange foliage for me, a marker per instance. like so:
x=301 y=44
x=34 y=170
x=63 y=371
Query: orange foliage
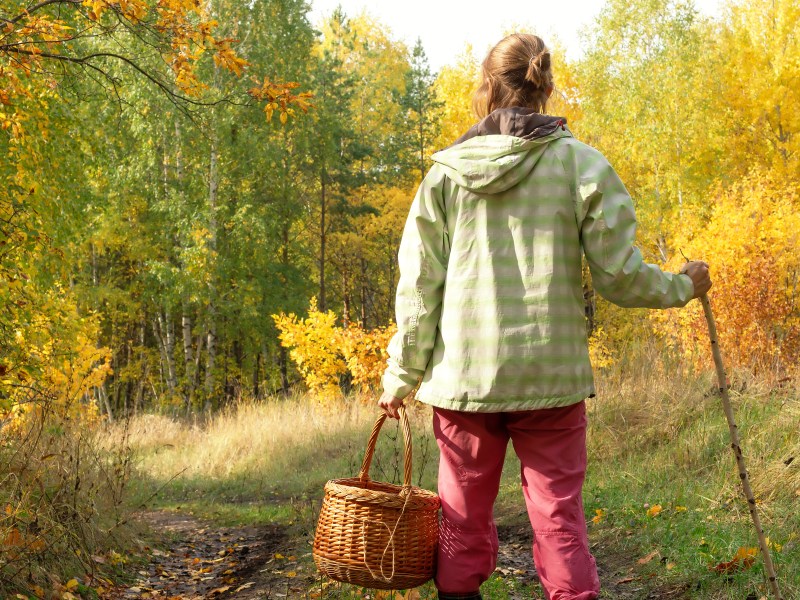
x=279 y=96
x=751 y=243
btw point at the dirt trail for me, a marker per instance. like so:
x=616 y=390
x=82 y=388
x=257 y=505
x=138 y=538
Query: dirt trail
x=200 y=560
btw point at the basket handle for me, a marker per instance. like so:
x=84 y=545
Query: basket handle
x=363 y=474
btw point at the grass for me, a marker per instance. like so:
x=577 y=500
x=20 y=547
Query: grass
x=657 y=437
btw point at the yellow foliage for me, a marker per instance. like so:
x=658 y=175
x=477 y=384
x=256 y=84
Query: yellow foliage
x=315 y=346
x=454 y=88
x=365 y=353
x=65 y=371
x=599 y=353
x=324 y=351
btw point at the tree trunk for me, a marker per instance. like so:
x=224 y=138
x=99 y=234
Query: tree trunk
x=321 y=299
x=102 y=397
x=139 y=402
x=211 y=340
x=166 y=338
x=283 y=360
x=346 y=299
x=363 y=293
x=188 y=359
x=256 y=374
x=198 y=354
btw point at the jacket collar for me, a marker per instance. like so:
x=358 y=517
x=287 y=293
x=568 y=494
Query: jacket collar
x=516 y=121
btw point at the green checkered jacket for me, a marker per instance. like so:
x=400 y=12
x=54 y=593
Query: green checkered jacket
x=490 y=308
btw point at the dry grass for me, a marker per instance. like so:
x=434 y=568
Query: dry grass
x=642 y=405
x=271 y=438
x=650 y=403
x=62 y=503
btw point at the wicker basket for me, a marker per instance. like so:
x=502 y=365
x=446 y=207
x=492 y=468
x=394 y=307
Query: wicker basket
x=378 y=535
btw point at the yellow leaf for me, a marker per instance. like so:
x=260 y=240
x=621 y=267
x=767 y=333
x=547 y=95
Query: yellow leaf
x=654 y=510
x=743 y=553
x=72 y=583
x=291 y=574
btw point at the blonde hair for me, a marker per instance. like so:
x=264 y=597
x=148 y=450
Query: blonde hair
x=516 y=72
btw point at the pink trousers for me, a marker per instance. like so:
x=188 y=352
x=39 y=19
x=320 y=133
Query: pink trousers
x=551 y=446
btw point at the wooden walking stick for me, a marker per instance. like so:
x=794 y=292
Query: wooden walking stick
x=726 y=405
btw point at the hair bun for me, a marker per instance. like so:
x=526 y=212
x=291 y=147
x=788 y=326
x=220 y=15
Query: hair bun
x=538 y=65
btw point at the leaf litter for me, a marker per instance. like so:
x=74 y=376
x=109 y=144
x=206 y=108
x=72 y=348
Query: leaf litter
x=198 y=560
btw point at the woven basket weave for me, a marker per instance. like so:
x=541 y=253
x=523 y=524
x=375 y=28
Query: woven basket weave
x=378 y=535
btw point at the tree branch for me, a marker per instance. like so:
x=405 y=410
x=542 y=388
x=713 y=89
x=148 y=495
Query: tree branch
x=85 y=60
x=36 y=7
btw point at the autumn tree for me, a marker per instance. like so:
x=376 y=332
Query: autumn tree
x=454 y=87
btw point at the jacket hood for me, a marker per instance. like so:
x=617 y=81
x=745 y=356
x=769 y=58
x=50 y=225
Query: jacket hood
x=499 y=152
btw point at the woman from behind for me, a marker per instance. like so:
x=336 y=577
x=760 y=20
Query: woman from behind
x=490 y=318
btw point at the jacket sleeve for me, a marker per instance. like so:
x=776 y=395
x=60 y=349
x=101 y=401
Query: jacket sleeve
x=608 y=233
x=423 y=266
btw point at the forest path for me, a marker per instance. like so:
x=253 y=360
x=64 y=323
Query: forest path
x=196 y=559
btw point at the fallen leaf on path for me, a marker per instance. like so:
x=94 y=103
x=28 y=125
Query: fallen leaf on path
x=646 y=559
x=219 y=590
x=626 y=580
x=244 y=586
x=744 y=559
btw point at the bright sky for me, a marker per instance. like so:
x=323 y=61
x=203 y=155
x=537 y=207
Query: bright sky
x=445 y=26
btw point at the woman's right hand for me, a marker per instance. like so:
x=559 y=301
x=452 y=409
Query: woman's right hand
x=697 y=270
x=390 y=405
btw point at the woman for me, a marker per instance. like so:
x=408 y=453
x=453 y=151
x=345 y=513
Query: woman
x=490 y=317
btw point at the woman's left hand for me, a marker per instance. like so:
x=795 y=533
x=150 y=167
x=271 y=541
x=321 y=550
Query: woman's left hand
x=390 y=404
